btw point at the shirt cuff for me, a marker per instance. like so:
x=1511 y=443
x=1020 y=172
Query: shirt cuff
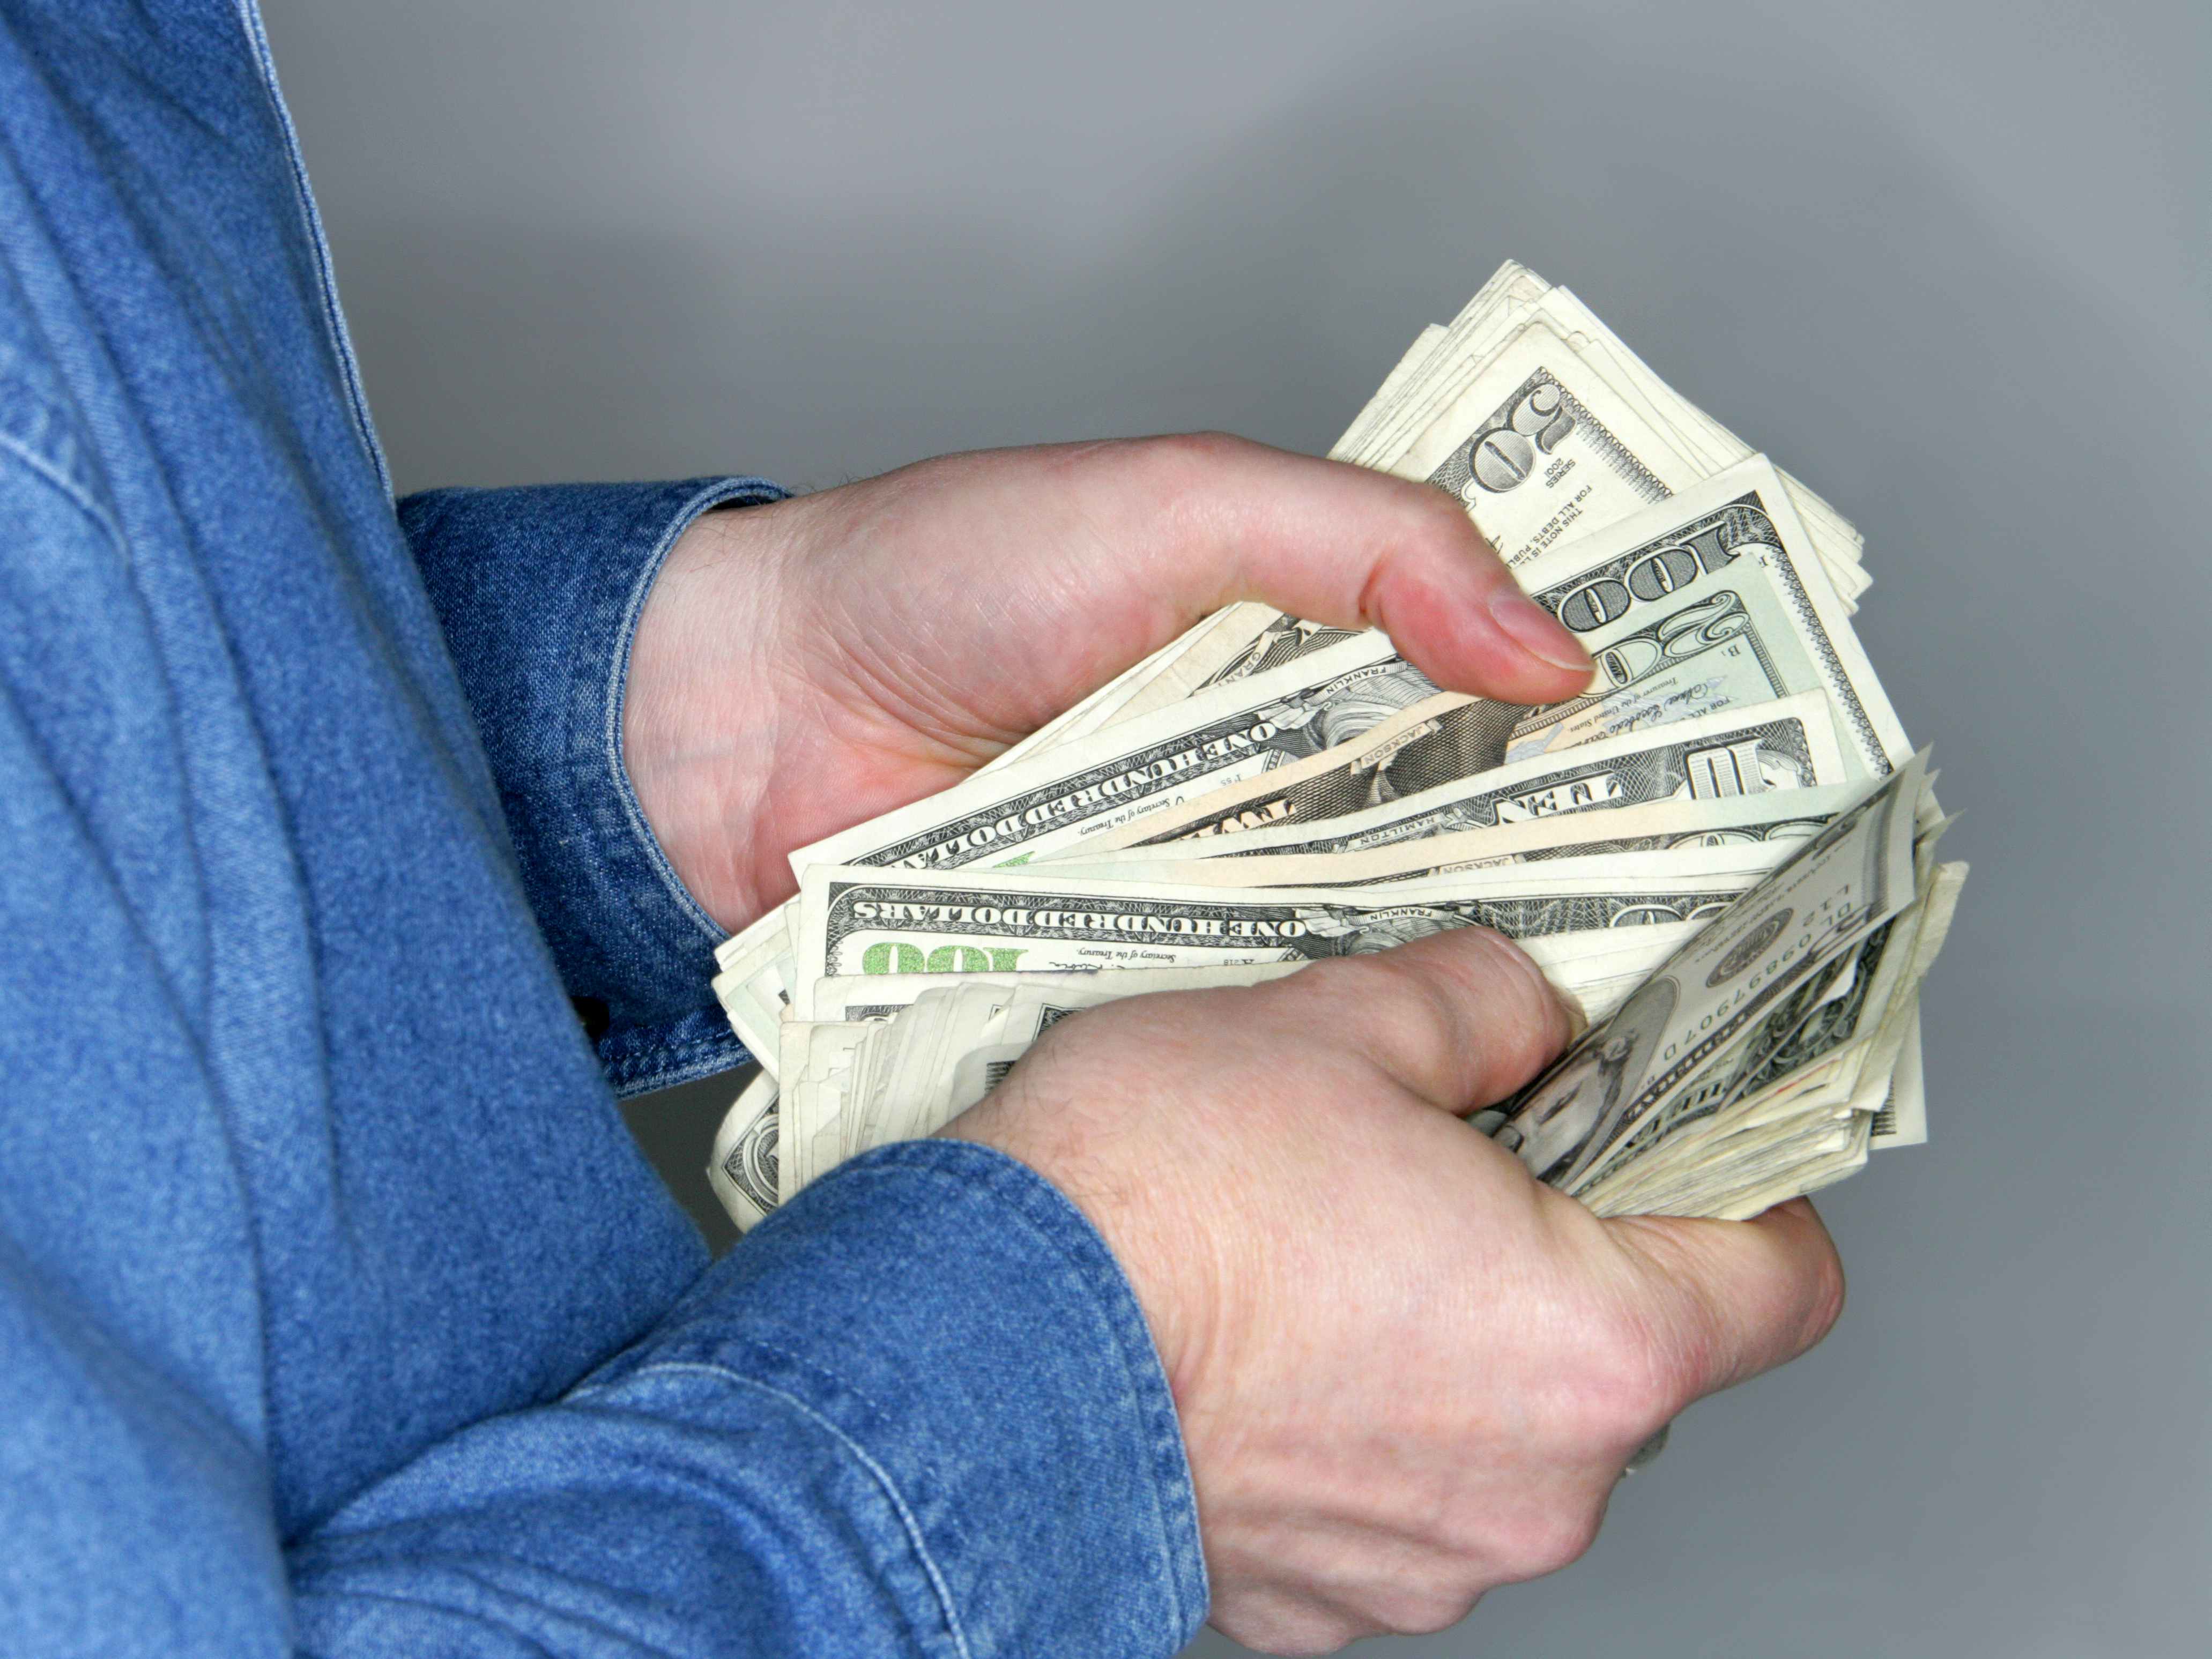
x=962 y=1328
x=538 y=589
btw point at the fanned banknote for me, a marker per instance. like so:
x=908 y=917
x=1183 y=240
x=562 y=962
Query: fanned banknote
x=1705 y=604
x=1545 y=427
x=1723 y=853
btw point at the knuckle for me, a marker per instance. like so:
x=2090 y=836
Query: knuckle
x=1510 y=973
x=1351 y=986
x=1074 y=1048
x=1828 y=1293
x=1382 y=1001
x=1458 y=1014
x=1674 y=1369
x=1634 y=1376
x=1520 y=1013
x=1270 y=1624
x=1331 y=979
x=1441 y=510
x=1437 y=514
x=1421 y=1609
x=1551 y=1538
x=1194 y=459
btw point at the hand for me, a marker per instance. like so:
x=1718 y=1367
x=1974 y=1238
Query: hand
x=1406 y=1371
x=801 y=667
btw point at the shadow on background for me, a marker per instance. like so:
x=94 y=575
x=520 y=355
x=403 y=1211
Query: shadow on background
x=675 y=1128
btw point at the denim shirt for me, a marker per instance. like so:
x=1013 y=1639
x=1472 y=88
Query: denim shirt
x=338 y=1312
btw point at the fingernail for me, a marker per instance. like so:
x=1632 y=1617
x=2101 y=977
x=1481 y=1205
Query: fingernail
x=1535 y=630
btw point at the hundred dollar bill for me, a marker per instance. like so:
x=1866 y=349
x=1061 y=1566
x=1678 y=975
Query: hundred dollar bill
x=1596 y=970
x=1775 y=819
x=1742 y=519
x=1420 y=406
x=1784 y=1073
x=1628 y=871
x=742 y=1169
x=1848 y=1053
x=1813 y=1058
x=909 y=1069
x=1062 y=796
x=863 y=921
x=1071 y=789
x=1652 y=1155
x=1445 y=354
x=1784 y=746
x=1706 y=1137
x=1706 y=603
x=1846 y=882
x=1903 y=1119
x=958 y=1035
x=1787 y=744
x=879 y=996
x=1104 y=704
x=1534 y=415
x=1479 y=447
x=749 y=985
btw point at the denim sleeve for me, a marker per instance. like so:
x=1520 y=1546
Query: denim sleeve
x=916 y=1411
x=538 y=589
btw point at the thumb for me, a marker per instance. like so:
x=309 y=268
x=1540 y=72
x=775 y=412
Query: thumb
x=1733 y=1299
x=1201 y=521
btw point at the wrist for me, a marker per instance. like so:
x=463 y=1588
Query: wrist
x=697 y=715
x=1166 y=1250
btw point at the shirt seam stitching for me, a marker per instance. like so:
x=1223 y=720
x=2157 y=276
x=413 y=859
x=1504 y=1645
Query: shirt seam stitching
x=340 y=339
x=909 y=1523
x=40 y=467
x=989 y=1183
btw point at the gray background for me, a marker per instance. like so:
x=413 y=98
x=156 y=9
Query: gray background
x=1946 y=260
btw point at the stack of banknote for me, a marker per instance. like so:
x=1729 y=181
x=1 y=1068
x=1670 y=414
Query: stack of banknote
x=1722 y=851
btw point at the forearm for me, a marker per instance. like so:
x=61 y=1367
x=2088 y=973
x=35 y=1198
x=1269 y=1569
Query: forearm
x=918 y=1411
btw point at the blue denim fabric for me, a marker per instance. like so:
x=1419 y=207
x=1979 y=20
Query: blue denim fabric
x=338 y=1311
x=539 y=592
